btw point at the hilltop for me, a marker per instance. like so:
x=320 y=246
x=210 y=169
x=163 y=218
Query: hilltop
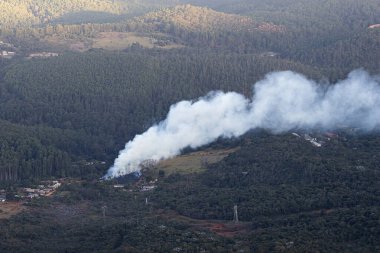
x=200 y=19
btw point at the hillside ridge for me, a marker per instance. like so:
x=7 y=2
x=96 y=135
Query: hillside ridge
x=201 y=19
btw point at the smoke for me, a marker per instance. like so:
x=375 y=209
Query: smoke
x=281 y=102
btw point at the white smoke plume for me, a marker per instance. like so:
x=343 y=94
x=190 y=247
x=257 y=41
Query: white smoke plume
x=281 y=102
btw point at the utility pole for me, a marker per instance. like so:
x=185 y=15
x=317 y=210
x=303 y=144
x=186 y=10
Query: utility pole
x=104 y=211
x=104 y=214
x=236 y=217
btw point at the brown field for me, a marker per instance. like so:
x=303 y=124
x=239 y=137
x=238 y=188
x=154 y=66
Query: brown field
x=119 y=40
x=8 y=209
x=223 y=228
x=59 y=43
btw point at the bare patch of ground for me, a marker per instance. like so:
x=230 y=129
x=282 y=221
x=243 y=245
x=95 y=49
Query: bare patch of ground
x=227 y=229
x=8 y=209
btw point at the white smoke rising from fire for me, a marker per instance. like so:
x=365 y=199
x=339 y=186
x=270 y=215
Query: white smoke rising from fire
x=282 y=101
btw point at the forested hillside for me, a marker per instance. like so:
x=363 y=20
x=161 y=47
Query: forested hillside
x=89 y=104
x=100 y=99
x=304 y=14
x=197 y=19
x=80 y=78
x=360 y=51
x=289 y=191
x=21 y=13
x=291 y=197
x=327 y=35
x=106 y=98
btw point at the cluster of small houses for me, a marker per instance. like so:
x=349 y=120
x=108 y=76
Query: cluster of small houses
x=41 y=191
x=7 y=54
x=10 y=54
x=2 y=196
x=29 y=193
x=42 y=55
x=5 y=50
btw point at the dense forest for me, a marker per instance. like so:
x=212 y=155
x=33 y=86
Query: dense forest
x=284 y=187
x=86 y=105
x=291 y=197
x=78 y=79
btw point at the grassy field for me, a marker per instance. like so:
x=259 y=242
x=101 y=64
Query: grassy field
x=58 y=43
x=122 y=40
x=110 y=41
x=194 y=162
